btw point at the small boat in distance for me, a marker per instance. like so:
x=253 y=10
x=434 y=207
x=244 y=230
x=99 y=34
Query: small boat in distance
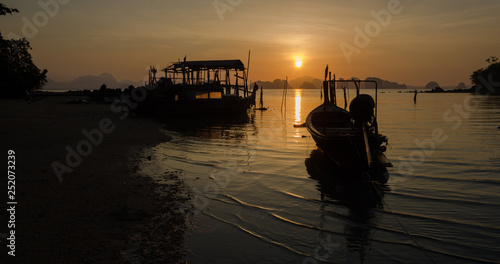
x=350 y=138
x=199 y=88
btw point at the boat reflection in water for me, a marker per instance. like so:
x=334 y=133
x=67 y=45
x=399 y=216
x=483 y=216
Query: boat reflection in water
x=212 y=127
x=338 y=184
x=361 y=198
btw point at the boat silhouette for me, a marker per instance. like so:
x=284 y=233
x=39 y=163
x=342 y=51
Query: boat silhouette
x=350 y=138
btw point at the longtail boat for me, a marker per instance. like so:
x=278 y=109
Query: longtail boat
x=349 y=138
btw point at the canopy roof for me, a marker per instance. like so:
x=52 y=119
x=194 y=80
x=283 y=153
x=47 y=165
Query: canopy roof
x=213 y=64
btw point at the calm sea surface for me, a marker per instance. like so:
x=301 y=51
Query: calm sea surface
x=262 y=192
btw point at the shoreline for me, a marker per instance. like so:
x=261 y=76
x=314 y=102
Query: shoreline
x=93 y=214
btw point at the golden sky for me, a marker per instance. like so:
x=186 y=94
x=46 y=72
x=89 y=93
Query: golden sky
x=406 y=41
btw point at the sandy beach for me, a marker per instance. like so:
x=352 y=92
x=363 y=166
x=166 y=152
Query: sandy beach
x=102 y=211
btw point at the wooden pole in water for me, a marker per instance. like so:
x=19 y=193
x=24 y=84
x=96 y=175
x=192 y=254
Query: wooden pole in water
x=286 y=92
x=334 y=90
x=345 y=98
x=283 y=98
x=261 y=98
x=415 y=97
x=246 y=75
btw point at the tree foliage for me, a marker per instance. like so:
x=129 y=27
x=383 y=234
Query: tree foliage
x=489 y=77
x=5 y=10
x=18 y=73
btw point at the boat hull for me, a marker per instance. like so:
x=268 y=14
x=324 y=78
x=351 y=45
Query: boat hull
x=334 y=133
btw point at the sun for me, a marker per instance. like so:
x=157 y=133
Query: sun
x=298 y=63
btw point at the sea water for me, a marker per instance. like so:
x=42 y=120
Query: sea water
x=261 y=191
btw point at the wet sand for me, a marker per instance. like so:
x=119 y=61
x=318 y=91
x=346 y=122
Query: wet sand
x=103 y=211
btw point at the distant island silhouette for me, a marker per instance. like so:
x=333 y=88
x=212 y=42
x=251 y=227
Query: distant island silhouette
x=90 y=82
x=93 y=82
x=307 y=82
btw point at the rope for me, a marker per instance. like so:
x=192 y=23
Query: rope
x=399 y=222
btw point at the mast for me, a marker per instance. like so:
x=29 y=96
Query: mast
x=333 y=90
x=325 y=87
x=246 y=74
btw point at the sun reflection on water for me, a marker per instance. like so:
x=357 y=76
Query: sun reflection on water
x=298 y=99
x=298 y=119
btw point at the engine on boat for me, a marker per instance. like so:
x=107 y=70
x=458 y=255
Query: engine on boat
x=362 y=109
